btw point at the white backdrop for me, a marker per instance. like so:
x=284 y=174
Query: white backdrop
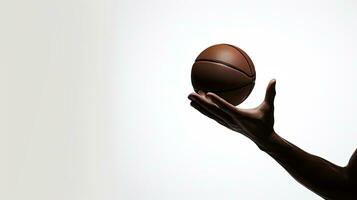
x=94 y=96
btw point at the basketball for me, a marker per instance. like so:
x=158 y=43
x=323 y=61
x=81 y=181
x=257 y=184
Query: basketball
x=225 y=70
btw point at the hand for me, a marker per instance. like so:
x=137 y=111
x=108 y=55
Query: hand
x=256 y=123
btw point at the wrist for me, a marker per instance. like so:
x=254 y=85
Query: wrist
x=271 y=143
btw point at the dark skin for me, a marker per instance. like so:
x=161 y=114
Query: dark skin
x=317 y=174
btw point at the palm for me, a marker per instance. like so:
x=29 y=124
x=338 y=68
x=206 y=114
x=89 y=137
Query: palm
x=256 y=123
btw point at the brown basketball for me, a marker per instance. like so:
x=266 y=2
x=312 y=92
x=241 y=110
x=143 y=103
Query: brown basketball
x=225 y=70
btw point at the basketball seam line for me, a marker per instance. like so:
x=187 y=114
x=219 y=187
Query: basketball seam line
x=224 y=63
x=250 y=63
x=231 y=89
x=240 y=51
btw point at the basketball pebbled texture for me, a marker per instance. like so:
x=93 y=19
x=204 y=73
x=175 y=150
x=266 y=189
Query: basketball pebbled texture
x=225 y=70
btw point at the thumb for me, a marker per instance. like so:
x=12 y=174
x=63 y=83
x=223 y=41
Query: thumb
x=270 y=92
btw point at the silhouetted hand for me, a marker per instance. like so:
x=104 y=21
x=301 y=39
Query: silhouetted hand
x=256 y=123
x=326 y=179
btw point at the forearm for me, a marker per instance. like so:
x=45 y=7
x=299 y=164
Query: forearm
x=319 y=175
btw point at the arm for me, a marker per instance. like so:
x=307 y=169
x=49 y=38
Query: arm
x=319 y=175
x=322 y=177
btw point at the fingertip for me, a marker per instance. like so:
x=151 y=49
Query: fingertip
x=200 y=92
x=274 y=84
x=211 y=94
x=271 y=85
x=212 y=97
x=216 y=99
x=190 y=96
x=193 y=96
x=273 y=81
